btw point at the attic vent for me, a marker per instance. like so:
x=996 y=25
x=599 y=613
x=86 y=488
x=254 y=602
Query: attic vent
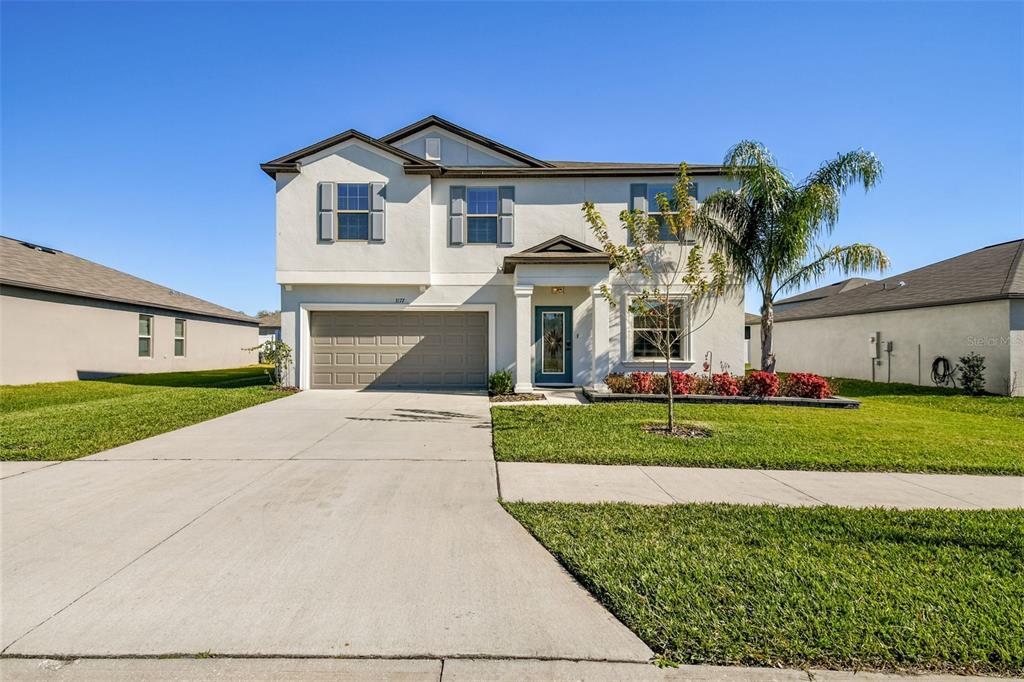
x=560 y=247
x=37 y=247
x=433 y=149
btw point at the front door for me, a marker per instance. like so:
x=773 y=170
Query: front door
x=553 y=342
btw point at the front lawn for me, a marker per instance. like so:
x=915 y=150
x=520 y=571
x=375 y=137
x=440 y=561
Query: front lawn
x=823 y=586
x=70 y=419
x=897 y=428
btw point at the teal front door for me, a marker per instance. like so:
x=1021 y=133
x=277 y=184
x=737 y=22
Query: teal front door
x=552 y=326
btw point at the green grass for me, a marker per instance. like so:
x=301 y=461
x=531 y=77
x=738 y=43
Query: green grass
x=897 y=428
x=824 y=587
x=70 y=419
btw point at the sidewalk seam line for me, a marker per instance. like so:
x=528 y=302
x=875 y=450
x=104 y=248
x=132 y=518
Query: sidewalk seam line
x=764 y=472
x=895 y=475
x=643 y=470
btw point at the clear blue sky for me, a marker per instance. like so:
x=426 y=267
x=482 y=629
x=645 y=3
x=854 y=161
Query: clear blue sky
x=132 y=132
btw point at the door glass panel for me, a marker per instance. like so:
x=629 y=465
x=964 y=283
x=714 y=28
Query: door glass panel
x=553 y=339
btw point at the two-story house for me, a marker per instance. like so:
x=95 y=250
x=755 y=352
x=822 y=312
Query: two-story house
x=433 y=256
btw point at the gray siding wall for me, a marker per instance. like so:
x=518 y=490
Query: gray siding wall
x=56 y=337
x=838 y=346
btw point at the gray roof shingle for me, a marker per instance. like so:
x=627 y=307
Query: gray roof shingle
x=991 y=273
x=28 y=265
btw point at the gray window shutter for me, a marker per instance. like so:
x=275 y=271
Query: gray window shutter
x=506 y=214
x=638 y=197
x=326 y=217
x=377 y=212
x=457 y=218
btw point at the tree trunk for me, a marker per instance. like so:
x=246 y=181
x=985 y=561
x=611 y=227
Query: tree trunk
x=667 y=343
x=767 y=347
x=668 y=389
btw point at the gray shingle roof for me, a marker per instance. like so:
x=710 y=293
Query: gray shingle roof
x=826 y=291
x=270 y=320
x=751 y=319
x=33 y=267
x=994 y=272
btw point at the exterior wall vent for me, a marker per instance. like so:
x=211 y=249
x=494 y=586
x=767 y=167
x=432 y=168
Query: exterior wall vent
x=433 y=149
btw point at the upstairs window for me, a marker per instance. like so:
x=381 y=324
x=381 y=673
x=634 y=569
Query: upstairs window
x=482 y=215
x=654 y=210
x=353 y=212
x=145 y=336
x=179 y=338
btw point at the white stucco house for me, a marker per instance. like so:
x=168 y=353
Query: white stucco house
x=894 y=329
x=433 y=256
x=64 y=318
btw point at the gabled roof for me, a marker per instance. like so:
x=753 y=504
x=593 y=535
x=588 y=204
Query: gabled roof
x=992 y=273
x=487 y=142
x=826 y=291
x=290 y=163
x=560 y=250
x=751 y=319
x=534 y=167
x=31 y=266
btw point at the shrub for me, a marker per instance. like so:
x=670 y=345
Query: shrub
x=806 y=385
x=500 y=383
x=724 y=384
x=761 y=384
x=682 y=383
x=618 y=383
x=660 y=384
x=972 y=373
x=643 y=382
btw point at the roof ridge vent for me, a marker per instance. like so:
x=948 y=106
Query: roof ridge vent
x=39 y=247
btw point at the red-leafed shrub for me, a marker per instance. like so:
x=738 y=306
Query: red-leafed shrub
x=643 y=382
x=659 y=384
x=619 y=383
x=806 y=385
x=761 y=384
x=683 y=383
x=724 y=384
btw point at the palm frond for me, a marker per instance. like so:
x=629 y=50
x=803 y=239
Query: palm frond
x=853 y=258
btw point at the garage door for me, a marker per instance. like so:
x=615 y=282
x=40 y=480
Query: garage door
x=398 y=349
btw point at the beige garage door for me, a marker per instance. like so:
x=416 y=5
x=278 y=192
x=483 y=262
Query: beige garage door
x=398 y=349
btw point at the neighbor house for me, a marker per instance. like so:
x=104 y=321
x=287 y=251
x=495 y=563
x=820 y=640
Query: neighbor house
x=896 y=328
x=433 y=256
x=63 y=317
x=270 y=327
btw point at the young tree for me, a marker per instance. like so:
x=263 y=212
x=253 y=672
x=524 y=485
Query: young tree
x=671 y=289
x=769 y=229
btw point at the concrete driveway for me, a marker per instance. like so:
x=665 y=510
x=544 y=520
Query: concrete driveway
x=323 y=524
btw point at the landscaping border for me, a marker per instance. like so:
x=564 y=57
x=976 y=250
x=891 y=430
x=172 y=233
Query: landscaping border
x=833 y=403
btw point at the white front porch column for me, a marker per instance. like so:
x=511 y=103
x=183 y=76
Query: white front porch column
x=600 y=363
x=524 y=339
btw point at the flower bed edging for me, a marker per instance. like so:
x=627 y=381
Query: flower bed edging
x=834 y=402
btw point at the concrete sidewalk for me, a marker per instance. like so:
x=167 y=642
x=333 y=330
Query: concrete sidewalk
x=419 y=670
x=537 y=482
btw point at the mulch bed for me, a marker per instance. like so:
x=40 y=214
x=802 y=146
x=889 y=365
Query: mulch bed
x=680 y=431
x=517 y=397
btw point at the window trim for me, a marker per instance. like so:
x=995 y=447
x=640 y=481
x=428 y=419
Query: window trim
x=340 y=211
x=182 y=338
x=496 y=215
x=149 y=336
x=684 y=349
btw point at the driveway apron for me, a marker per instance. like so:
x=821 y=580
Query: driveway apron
x=323 y=524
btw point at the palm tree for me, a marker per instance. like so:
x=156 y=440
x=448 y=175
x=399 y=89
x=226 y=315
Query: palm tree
x=769 y=228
